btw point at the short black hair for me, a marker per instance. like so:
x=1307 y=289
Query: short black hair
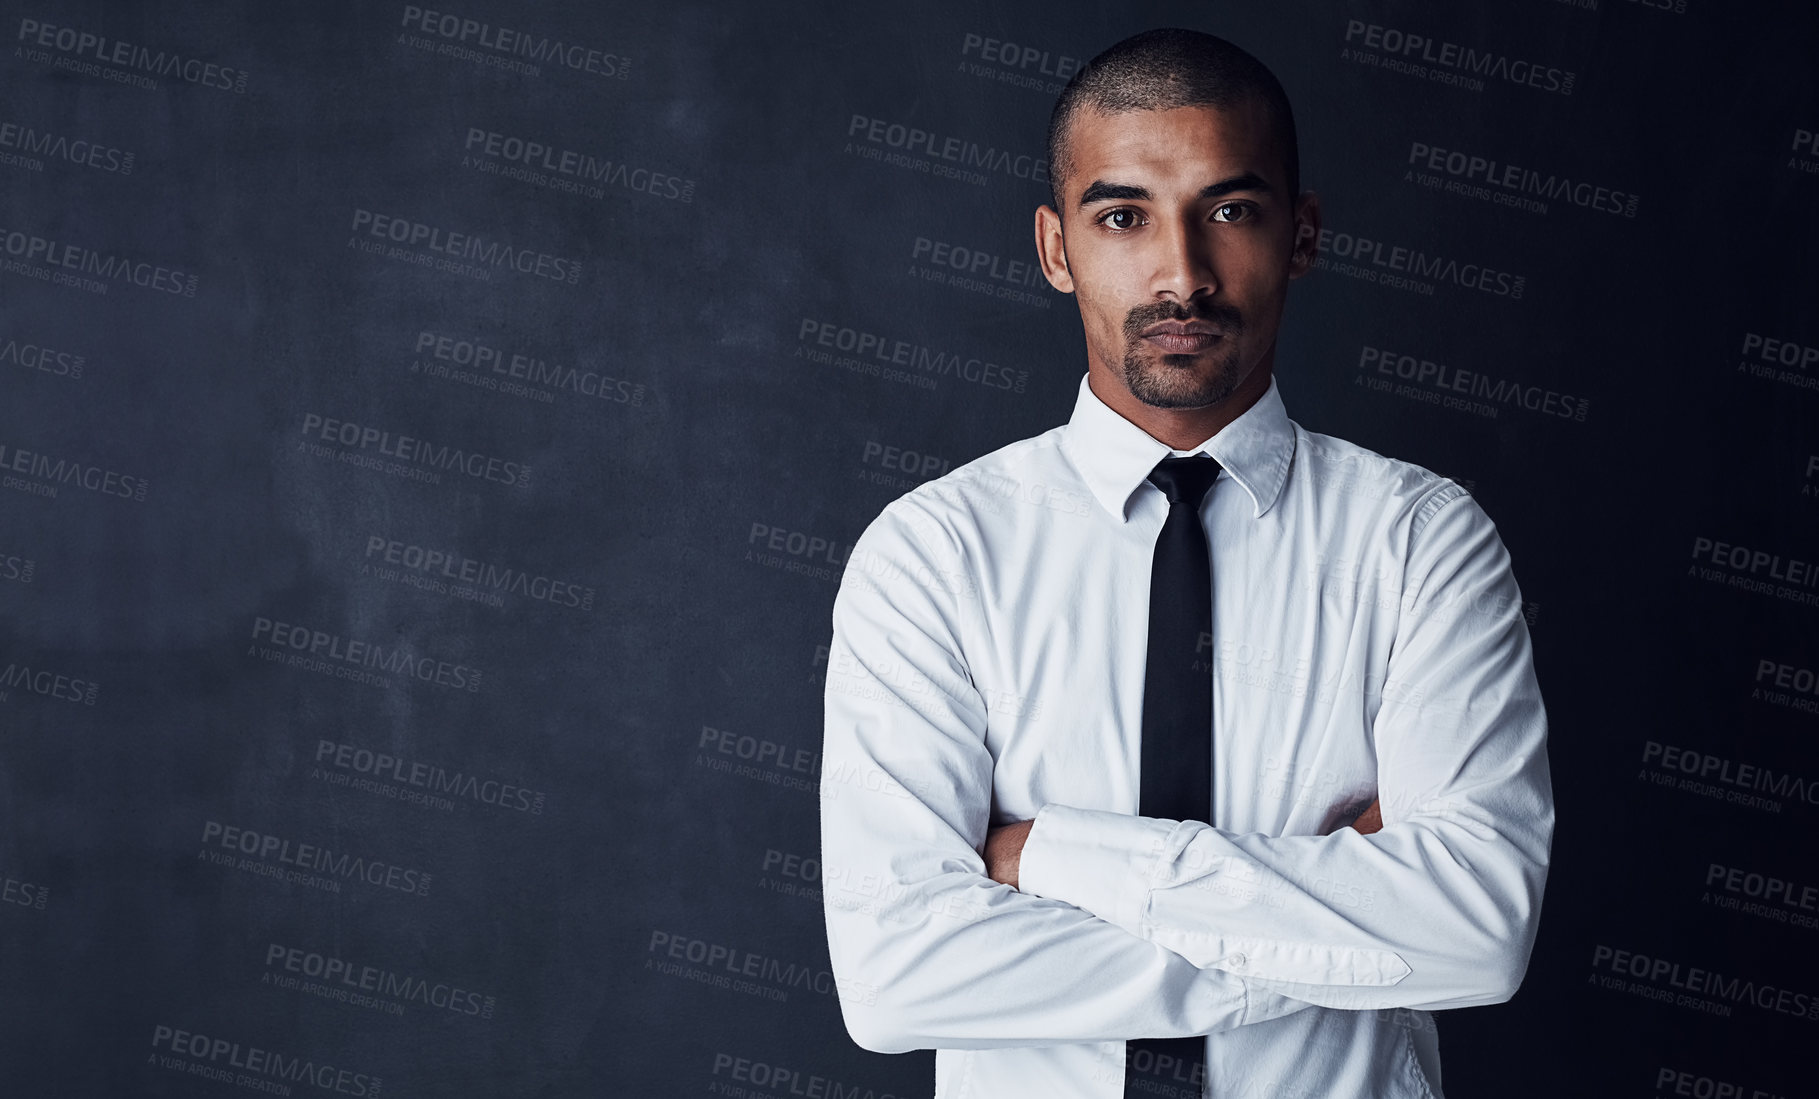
x=1164 y=68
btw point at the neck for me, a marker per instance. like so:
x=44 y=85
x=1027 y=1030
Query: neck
x=1180 y=428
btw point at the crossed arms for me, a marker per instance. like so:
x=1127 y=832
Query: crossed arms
x=1003 y=852
x=1125 y=926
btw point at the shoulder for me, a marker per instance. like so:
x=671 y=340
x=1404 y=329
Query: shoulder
x=1350 y=475
x=1427 y=528
x=956 y=507
x=936 y=533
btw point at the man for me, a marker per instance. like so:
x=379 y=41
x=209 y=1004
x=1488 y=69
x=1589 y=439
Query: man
x=1181 y=602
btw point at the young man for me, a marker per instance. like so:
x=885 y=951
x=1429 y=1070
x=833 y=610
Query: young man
x=1101 y=703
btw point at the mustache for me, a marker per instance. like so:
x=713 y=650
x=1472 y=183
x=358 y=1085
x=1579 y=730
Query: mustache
x=1143 y=316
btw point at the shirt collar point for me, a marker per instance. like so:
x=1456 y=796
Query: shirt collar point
x=1115 y=456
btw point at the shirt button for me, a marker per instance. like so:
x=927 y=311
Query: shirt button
x=1236 y=961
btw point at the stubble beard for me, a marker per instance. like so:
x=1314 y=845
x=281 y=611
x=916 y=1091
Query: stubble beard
x=1166 y=380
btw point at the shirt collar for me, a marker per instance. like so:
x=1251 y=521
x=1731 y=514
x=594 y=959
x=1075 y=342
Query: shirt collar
x=1116 y=456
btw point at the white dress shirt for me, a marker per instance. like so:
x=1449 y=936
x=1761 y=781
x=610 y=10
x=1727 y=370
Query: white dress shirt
x=987 y=666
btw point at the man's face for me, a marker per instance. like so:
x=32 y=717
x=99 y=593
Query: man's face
x=1178 y=238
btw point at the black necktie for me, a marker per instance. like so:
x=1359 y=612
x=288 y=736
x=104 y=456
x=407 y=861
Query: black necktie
x=1177 y=760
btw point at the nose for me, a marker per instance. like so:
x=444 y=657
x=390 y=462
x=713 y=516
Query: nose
x=1184 y=260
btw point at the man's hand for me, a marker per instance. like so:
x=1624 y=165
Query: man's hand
x=1004 y=850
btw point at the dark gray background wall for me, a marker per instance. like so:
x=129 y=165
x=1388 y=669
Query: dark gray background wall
x=416 y=547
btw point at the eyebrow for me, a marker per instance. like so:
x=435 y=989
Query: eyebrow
x=1101 y=191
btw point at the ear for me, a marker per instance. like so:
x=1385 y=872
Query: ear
x=1307 y=235
x=1051 y=250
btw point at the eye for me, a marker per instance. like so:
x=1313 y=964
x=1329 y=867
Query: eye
x=1232 y=212
x=1111 y=218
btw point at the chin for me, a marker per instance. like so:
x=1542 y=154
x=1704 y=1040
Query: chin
x=1177 y=381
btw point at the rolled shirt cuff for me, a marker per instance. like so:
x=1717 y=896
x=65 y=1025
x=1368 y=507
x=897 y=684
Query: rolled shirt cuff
x=1094 y=859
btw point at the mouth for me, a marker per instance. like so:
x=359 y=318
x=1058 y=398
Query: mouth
x=1183 y=337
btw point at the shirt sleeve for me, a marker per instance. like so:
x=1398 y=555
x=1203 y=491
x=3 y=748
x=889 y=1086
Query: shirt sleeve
x=1438 y=909
x=927 y=951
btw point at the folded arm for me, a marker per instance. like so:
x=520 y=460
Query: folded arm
x=927 y=950
x=1439 y=908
